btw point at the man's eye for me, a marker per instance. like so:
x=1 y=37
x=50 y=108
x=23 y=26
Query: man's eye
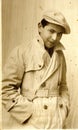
x=60 y=33
x=52 y=31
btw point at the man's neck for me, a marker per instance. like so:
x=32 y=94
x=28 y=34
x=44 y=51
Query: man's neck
x=49 y=50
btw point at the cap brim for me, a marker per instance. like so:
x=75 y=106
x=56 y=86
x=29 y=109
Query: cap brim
x=65 y=26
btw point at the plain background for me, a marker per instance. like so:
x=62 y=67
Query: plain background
x=19 y=25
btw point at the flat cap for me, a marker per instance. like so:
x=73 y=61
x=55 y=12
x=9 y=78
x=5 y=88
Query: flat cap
x=57 y=18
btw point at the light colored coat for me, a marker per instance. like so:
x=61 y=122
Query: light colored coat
x=34 y=87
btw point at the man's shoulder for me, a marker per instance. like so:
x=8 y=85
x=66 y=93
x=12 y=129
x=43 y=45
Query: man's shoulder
x=27 y=45
x=23 y=47
x=61 y=54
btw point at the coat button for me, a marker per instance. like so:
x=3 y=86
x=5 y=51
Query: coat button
x=13 y=100
x=43 y=85
x=37 y=40
x=45 y=106
x=61 y=105
x=39 y=66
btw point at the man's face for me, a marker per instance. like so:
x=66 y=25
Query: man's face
x=51 y=34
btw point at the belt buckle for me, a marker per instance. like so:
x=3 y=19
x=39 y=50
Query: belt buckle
x=46 y=93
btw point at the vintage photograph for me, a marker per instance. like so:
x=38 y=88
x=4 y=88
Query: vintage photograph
x=39 y=64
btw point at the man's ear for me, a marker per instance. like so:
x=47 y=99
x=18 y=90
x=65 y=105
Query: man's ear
x=40 y=27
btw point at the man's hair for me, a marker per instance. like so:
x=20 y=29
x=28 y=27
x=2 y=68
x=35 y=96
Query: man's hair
x=44 y=22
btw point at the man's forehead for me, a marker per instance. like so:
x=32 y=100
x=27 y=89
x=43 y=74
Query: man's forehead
x=56 y=27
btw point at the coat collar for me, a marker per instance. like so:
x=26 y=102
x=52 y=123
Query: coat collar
x=57 y=48
x=36 y=61
x=55 y=60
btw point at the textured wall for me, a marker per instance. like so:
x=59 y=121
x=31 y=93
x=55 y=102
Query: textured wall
x=20 y=19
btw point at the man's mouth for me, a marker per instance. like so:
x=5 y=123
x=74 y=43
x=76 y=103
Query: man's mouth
x=51 y=42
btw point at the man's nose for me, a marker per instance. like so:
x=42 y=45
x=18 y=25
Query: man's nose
x=54 y=36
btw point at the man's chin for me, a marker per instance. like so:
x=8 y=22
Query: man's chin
x=50 y=46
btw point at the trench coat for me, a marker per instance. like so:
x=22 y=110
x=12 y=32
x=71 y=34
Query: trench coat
x=34 y=87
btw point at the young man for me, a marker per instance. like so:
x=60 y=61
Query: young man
x=38 y=71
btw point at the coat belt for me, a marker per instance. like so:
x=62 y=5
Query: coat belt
x=40 y=93
x=47 y=93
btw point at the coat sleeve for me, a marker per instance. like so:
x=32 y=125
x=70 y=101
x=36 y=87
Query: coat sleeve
x=64 y=93
x=18 y=106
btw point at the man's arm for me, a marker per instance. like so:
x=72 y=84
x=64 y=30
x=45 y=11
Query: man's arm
x=64 y=94
x=18 y=106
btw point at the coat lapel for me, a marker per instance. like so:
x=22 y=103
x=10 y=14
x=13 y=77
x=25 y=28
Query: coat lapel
x=52 y=67
x=54 y=61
